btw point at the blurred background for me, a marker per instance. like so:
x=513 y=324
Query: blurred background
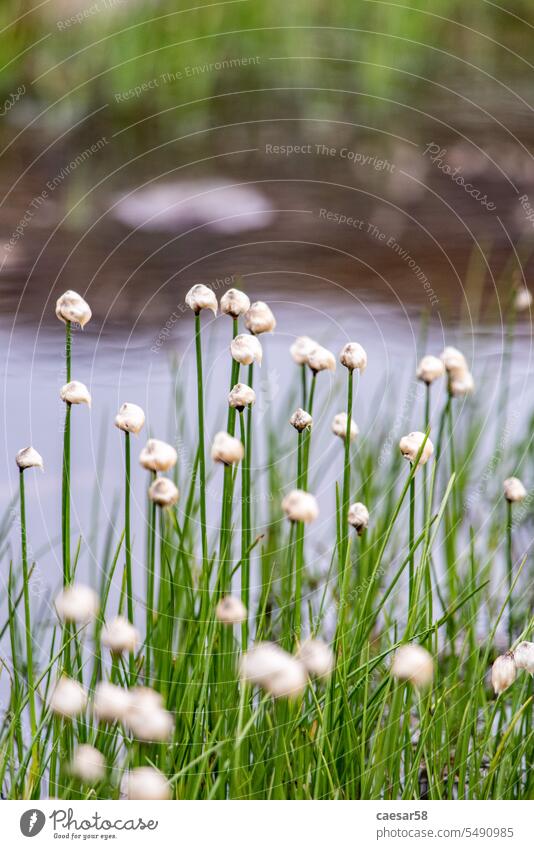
x=362 y=165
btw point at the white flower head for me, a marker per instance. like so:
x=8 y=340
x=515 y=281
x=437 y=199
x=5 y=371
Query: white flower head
x=454 y=361
x=29 y=458
x=231 y=610
x=275 y=670
x=301 y=349
x=72 y=307
x=259 y=318
x=524 y=656
x=110 y=702
x=200 y=297
x=227 y=449
x=461 y=384
x=358 y=517
x=241 y=396
x=130 y=418
x=430 y=368
x=353 y=357
x=300 y=506
x=68 y=698
x=163 y=492
x=145 y=782
x=75 y=392
x=339 y=427
x=234 y=303
x=410 y=446
x=146 y=717
x=321 y=359
x=119 y=636
x=77 y=603
x=503 y=672
x=246 y=349
x=523 y=299
x=514 y=490
x=158 y=456
x=88 y=764
x=317 y=657
x=301 y=420
x=413 y=663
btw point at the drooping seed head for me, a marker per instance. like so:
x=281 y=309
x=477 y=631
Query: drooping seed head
x=358 y=517
x=321 y=359
x=77 y=603
x=301 y=420
x=300 y=506
x=503 y=672
x=72 y=307
x=163 y=492
x=454 y=361
x=430 y=368
x=234 y=303
x=461 y=384
x=523 y=299
x=110 y=702
x=410 y=446
x=227 y=449
x=120 y=636
x=246 y=349
x=514 y=490
x=75 y=392
x=88 y=764
x=353 y=357
x=200 y=297
x=241 y=396
x=231 y=610
x=317 y=657
x=259 y=318
x=145 y=782
x=146 y=717
x=273 y=669
x=413 y=663
x=339 y=427
x=130 y=418
x=524 y=656
x=68 y=698
x=29 y=458
x=301 y=349
x=158 y=456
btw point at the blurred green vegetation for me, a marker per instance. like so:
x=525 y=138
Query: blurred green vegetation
x=386 y=50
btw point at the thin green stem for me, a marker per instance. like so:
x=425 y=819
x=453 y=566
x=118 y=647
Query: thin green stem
x=509 y=570
x=128 y=543
x=201 y=457
x=411 y=543
x=245 y=532
x=308 y=434
x=345 y=498
x=304 y=386
x=150 y=580
x=27 y=622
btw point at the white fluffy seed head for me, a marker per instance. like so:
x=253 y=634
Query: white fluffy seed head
x=75 y=392
x=158 y=456
x=241 y=396
x=130 y=418
x=234 y=303
x=317 y=657
x=163 y=492
x=413 y=663
x=523 y=299
x=273 y=669
x=514 y=489
x=200 y=297
x=120 y=636
x=353 y=357
x=111 y=703
x=145 y=782
x=146 y=717
x=72 y=307
x=68 y=698
x=246 y=349
x=301 y=420
x=454 y=361
x=461 y=384
x=430 y=368
x=29 y=458
x=503 y=672
x=227 y=449
x=88 y=764
x=231 y=610
x=321 y=359
x=259 y=318
x=358 y=517
x=339 y=427
x=77 y=603
x=301 y=349
x=300 y=506
x=524 y=656
x=410 y=446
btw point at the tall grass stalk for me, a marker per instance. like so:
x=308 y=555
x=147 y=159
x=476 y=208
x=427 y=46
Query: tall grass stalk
x=346 y=478
x=128 y=544
x=28 y=627
x=202 y=462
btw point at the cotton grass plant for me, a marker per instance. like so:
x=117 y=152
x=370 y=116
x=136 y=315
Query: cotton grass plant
x=240 y=668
